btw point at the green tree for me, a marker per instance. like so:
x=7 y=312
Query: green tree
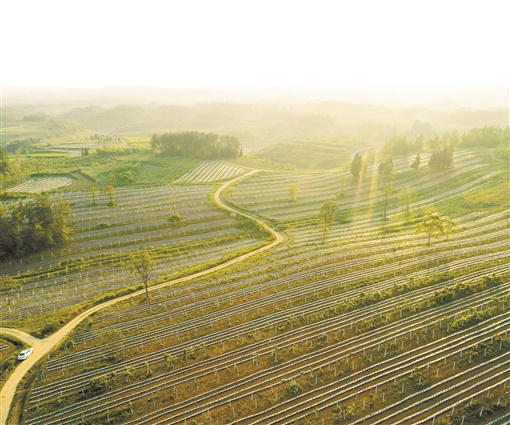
x=448 y=225
x=170 y=361
x=327 y=216
x=141 y=264
x=397 y=146
x=431 y=225
x=175 y=220
x=39 y=224
x=93 y=191
x=386 y=167
x=293 y=190
x=110 y=192
x=9 y=231
x=356 y=166
x=196 y=145
x=292 y=389
x=407 y=196
x=488 y=136
x=112 y=341
x=4 y=162
x=418 y=143
x=386 y=192
x=441 y=159
x=416 y=162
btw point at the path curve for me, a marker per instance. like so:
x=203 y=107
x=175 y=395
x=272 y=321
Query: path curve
x=42 y=347
x=20 y=335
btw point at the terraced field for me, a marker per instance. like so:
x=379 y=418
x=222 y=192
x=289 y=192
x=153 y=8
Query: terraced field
x=42 y=184
x=92 y=265
x=369 y=325
x=211 y=171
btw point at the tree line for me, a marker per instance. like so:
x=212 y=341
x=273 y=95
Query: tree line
x=195 y=144
x=486 y=137
x=34 y=225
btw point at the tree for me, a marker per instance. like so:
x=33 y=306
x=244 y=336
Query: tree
x=174 y=220
x=33 y=226
x=441 y=159
x=431 y=225
x=418 y=143
x=397 y=146
x=448 y=225
x=293 y=189
x=327 y=215
x=386 y=167
x=358 y=167
x=196 y=145
x=142 y=264
x=416 y=162
x=488 y=136
x=386 y=191
x=93 y=191
x=112 y=341
x=407 y=196
x=110 y=192
x=4 y=162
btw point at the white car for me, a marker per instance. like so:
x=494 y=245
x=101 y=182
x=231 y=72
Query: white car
x=25 y=353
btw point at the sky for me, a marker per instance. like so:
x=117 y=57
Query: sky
x=253 y=43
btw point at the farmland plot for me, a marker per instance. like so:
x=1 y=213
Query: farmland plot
x=41 y=184
x=368 y=325
x=92 y=263
x=211 y=171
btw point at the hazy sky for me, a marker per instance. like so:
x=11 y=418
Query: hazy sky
x=244 y=42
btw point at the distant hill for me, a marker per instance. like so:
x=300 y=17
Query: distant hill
x=18 y=124
x=262 y=124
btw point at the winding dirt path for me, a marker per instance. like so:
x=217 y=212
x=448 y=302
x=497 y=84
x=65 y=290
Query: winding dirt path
x=42 y=347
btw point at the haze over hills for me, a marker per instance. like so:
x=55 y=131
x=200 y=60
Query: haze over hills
x=431 y=97
x=260 y=116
